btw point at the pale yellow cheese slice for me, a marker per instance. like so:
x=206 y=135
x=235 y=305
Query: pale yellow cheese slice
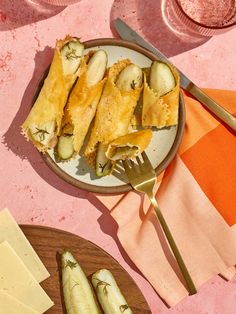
x=10 y=305
x=17 y=280
x=11 y=232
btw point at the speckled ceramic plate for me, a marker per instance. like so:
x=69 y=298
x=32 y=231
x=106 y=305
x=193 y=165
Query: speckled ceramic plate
x=161 y=150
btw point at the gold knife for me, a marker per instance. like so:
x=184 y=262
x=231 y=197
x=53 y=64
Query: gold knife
x=127 y=33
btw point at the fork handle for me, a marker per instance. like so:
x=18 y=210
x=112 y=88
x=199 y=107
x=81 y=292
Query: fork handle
x=191 y=287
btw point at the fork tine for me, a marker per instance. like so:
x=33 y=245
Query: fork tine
x=125 y=165
x=136 y=168
x=132 y=163
x=145 y=159
x=138 y=161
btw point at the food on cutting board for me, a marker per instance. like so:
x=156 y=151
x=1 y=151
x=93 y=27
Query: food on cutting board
x=82 y=104
x=79 y=295
x=77 y=290
x=11 y=232
x=10 y=305
x=21 y=271
x=160 y=96
x=18 y=281
x=108 y=293
x=43 y=123
x=100 y=106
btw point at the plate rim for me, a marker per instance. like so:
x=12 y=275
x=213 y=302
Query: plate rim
x=119 y=189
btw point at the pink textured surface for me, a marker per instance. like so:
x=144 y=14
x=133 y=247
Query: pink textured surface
x=27 y=187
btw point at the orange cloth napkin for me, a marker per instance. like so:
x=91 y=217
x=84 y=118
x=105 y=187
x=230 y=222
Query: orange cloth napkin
x=197 y=197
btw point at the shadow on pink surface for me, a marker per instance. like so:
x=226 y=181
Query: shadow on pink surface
x=109 y=226
x=147 y=19
x=17 y=13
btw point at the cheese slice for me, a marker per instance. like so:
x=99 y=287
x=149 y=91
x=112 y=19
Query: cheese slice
x=10 y=305
x=11 y=232
x=17 y=280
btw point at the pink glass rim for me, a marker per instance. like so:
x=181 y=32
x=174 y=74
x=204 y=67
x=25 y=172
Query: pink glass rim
x=219 y=28
x=61 y=2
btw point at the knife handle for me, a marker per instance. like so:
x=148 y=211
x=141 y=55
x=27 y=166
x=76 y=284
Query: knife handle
x=214 y=107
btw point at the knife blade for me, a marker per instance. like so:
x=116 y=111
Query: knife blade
x=127 y=33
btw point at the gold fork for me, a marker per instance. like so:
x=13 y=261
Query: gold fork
x=142 y=177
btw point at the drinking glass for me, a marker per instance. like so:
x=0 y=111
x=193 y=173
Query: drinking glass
x=201 y=17
x=60 y=2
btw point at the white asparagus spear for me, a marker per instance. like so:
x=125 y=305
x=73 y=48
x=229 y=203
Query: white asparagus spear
x=108 y=293
x=78 y=293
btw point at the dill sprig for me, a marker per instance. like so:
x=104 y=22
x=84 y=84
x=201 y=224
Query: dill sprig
x=102 y=283
x=41 y=133
x=123 y=308
x=76 y=284
x=133 y=84
x=71 y=54
x=70 y=264
x=102 y=167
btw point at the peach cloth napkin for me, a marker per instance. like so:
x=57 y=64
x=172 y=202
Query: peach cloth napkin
x=197 y=197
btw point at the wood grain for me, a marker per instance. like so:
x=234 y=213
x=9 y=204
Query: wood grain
x=49 y=243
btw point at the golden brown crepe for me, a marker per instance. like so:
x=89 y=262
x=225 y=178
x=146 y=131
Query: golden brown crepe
x=82 y=104
x=129 y=145
x=160 y=111
x=114 y=112
x=51 y=99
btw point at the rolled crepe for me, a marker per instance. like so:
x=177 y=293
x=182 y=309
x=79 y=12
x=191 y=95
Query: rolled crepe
x=129 y=146
x=49 y=106
x=81 y=107
x=160 y=111
x=114 y=112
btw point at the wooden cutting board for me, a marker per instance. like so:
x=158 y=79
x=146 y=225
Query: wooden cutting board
x=49 y=243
